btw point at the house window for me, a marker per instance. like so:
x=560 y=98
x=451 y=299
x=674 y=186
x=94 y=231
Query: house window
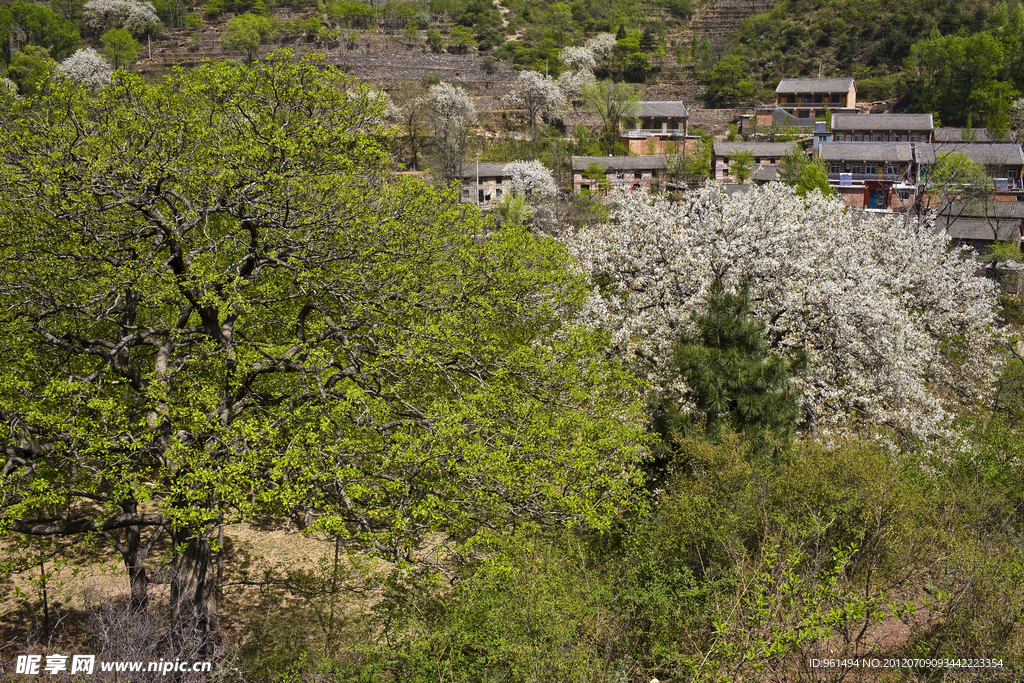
x=807 y=99
x=636 y=186
x=915 y=138
x=897 y=137
x=465 y=193
x=619 y=175
x=791 y=99
x=637 y=175
x=877 y=137
x=817 y=99
x=497 y=181
x=855 y=168
x=585 y=187
x=834 y=168
x=835 y=98
x=498 y=192
x=904 y=195
x=646 y=124
x=804 y=114
x=857 y=137
x=674 y=125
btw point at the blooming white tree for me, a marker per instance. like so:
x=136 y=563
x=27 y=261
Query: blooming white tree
x=894 y=322
x=137 y=16
x=8 y=87
x=602 y=47
x=87 y=67
x=579 y=71
x=530 y=179
x=537 y=95
x=450 y=113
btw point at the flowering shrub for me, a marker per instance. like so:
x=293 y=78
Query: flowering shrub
x=530 y=178
x=86 y=66
x=894 y=323
x=138 y=16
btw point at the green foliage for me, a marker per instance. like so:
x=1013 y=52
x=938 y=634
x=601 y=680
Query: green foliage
x=733 y=382
x=351 y=14
x=460 y=39
x=614 y=103
x=741 y=165
x=514 y=212
x=26 y=23
x=805 y=174
x=413 y=406
x=729 y=83
x=30 y=68
x=436 y=42
x=247 y=32
x=120 y=47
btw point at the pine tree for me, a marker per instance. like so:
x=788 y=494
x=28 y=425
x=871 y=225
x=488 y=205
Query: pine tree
x=733 y=380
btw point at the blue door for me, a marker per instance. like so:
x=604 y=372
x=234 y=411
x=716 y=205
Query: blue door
x=878 y=199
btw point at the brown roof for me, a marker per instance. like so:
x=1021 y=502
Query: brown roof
x=980 y=228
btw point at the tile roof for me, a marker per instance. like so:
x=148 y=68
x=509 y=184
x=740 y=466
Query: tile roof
x=760 y=149
x=992 y=154
x=957 y=135
x=663 y=110
x=813 y=85
x=979 y=228
x=882 y=122
x=487 y=169
x=641 y=163
x=766 y=174
x=866 y=151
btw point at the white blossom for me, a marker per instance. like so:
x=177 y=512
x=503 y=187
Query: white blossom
x=450 y=112
x=577 y=58
x=536 y=93
x=572 y=83
x=8 y=86
x=530 y=179
x=87 y=67
x=894 y=322
x=138 y=16
x=601 y=45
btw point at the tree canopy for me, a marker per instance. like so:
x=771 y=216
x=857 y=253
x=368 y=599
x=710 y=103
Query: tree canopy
x=218 y=303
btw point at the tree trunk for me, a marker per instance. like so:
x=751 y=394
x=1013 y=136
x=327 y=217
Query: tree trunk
x=193 y=589
x=134 y=554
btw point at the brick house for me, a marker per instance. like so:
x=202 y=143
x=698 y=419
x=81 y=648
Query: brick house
x=647 y=173
x=492 y=181
x=765 y=154
x=807 y=98
x=871 y=175
x=661 y=129
x=1003 y=162
x=882 y=127
x=980 y=223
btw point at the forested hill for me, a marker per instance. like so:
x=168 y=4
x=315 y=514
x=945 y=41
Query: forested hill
x=967 y=54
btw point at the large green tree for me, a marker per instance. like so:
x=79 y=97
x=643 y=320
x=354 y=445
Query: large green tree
x=218 y=303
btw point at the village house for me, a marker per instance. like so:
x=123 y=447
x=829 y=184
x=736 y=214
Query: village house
x=661 y=129
x=492 y=182
x=646 y=173
x=808 y=98
x=950 y=135
x=764 y=154
x=1003 y=162
x=977 y=224
x=882 y=127
x=871 y=175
